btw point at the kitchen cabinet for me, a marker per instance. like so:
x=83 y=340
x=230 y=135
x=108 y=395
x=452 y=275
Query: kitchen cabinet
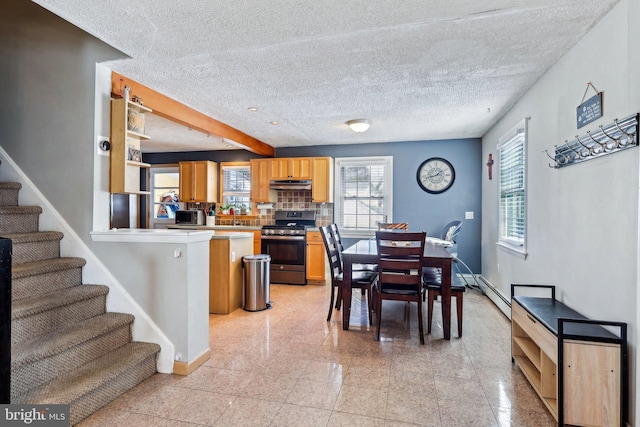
x=291 y=168
x=127 y=129
x=198 y=181
x=260 y=177
x=315 y=255
x=322 y=180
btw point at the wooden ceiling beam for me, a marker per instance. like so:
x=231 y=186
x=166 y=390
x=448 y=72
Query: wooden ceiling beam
x=173 y=110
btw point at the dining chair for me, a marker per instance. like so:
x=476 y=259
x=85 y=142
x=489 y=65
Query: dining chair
x=335 y=231
x=400 y=265
x=432 y=279
x=400 y=226
x=359 y=279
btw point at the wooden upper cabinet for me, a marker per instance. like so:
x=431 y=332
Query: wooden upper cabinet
x=322 y=180
x=291 y=168
x=260 y=177
x=198 y=181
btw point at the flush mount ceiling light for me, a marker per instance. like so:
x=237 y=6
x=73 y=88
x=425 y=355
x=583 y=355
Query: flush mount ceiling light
x=359 y=125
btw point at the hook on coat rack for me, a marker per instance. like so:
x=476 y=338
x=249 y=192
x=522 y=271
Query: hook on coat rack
x=617 y=136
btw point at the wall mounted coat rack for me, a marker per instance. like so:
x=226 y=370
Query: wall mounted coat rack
x=617 y=136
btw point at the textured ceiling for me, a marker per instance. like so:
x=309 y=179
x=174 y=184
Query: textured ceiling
x=419 y=70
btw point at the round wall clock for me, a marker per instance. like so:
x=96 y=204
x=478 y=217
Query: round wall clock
x=435 y=175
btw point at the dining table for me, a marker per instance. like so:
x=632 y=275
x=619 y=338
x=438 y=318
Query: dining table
x=366 y=252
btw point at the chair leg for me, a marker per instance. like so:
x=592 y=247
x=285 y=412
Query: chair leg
x=378 y=315
x=333 y=288
x=459 y=312
x=430 y=298
x=369 y=294
x=420 y=329
x=339 y=299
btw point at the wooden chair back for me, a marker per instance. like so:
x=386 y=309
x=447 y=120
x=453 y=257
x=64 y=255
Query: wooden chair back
x=400 y=261
x=333 y=255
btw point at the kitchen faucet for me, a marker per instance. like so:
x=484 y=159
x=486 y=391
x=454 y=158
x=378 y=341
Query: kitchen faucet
x=235 y=222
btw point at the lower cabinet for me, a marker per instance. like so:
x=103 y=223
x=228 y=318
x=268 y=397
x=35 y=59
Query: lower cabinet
x=315 y=256
x=225 y=273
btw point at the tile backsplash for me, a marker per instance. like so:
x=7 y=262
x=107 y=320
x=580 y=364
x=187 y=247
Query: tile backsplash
x=298 y=200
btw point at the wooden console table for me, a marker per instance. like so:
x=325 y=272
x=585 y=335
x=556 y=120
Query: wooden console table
x=576 y=366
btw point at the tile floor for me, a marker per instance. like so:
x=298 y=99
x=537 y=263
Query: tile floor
x=288 y=366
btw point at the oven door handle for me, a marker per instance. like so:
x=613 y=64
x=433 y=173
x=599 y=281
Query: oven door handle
x=282 y=237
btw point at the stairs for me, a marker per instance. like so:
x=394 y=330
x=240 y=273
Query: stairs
x=65 y=347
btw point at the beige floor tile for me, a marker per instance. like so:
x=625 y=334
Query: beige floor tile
x=523 y=417
x=367 y=376
x=269 y=387
x=468 y=391
x=289 y=366
x=314 y=394
x=322 y=371
x=246 y=411
x=413 y=408
x=200 y=407
x=344 y=419
x=300 y=416
x=463 y=414
x=362 y=401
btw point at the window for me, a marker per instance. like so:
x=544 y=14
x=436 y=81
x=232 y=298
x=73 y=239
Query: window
x=165 y=185
x=363 y=194
x=512 y=151
x=236 y=183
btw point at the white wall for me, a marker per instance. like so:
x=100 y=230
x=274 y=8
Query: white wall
x=582 y=220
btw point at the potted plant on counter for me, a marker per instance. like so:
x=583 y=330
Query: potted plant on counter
x=225 y=209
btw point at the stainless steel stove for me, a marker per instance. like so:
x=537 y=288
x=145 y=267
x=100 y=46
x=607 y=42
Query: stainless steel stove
x=285 y=242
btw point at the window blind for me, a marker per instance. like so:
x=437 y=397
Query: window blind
x=512 y=187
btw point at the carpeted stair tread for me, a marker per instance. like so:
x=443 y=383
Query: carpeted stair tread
x=36 y=236
x=45 y=266
x=60 y=340
x=90 y=376
x=9 y=185
x=20 y=210
x=30 y=306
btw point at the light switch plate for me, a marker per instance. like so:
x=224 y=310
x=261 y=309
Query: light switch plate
x=468 y=215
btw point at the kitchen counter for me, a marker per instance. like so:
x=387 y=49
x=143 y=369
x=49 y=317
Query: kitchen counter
x=216 y=227
x=216 y=232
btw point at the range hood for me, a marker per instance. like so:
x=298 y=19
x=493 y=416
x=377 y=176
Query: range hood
x=290 y=184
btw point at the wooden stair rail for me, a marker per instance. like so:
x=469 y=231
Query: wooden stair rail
x=172 y=110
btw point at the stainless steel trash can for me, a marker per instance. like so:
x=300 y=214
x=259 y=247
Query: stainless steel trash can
x=256 y=282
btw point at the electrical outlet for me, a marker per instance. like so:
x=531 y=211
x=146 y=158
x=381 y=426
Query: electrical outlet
x=233 y=256
x=468 y=215
x=177 y=253
x=178 y=357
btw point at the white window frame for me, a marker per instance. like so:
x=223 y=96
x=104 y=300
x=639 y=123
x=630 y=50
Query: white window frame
x=342 y=162
x=228 y=193
x=516 y=136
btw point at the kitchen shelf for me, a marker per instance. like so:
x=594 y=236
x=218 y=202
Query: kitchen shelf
x=124 y=172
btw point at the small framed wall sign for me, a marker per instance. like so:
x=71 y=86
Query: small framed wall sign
x=589 y=110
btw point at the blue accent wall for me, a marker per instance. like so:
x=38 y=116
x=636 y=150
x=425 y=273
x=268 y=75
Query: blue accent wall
x=423 y=211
